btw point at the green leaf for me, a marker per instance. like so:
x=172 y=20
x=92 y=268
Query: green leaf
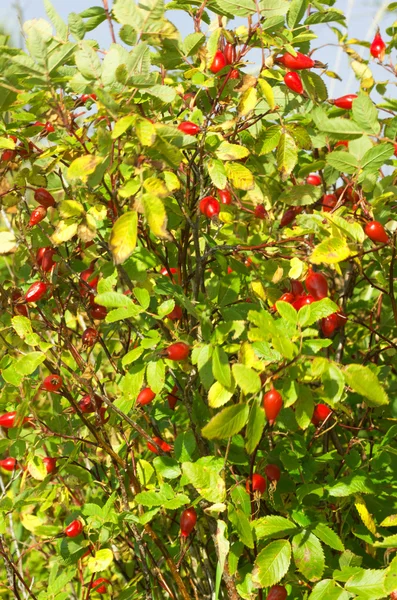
x=390 y=582
x=60 y=27
x=365 y=114
x=343 y=161
x=155 y=375
x=296 y=12
x=123 y=237
x=192 y=43
x=316 y=311
x=287 y=154
x=365 y=382
x=203 y=476
x=330 y=251
x=246 y=378
x=352 y=484
x=255 y=426
x=227 y=423
x=267 y=92
x=269 y=139
x=167 y=467
x=221 y=367
x=84 y=166
x=217 y=173
x=368 y=584
x=287 y=312
x=122 y=125
x=219 y=395
x=272 y=563
x=27 y=364
x=304 y=407
x=328 y=537
x=308 y=555
x=87 y=62
x=327 y=589
x=101 y=561
x=273 y=526
x=145 y=131
x=242 y=525
x=227 y=151
x=375 y=157
x=301 y=195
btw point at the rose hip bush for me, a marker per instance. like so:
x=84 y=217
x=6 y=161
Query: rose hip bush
x=199 y=314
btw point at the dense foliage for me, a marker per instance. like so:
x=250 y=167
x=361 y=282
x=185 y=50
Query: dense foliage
x=199 y=314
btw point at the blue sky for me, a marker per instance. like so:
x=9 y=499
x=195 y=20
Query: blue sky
x=361 y=16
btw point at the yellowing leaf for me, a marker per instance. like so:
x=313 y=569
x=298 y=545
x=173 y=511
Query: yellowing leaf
x=154 y=211
x=123 y=237
x=287 y=155
x=71 y=208
x=330 y=251
x=248 y=101
x=145 y=132
x=83 y=166
x=155 y=186
x=122 y=125
x=37 y=468
x=101 y=560
x=30 y=522
x=64 y=232
x=227 y=151
x=171 y=181
x=364 y=73
x=365 y=515
x=258 y=289
x=218 y=395
x=239 y=176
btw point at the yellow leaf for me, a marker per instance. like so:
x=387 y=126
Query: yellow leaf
x=248 y=101
x=71 y=208
x=123 y=237
x=145 y=131
x=258 y=289
x=239 y=176
x=330 y=251
x=83 y=166
x=267 y=92
x=31 y=522
x=365 y=515
x=7 y=242
x=101 y=560
x=37 y=468
x=218 y=395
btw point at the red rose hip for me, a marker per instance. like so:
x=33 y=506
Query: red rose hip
x=218 y=63
x=376 y=232
x=50 y=464
x=345 y=102
x=188 y=521
x=52 y=383
x=378 y=47
x=37 y=215
x=313 y=179
x=8 y=464
x=321 y=412
x=189 y=128
x=272 y=403
x=293 y=82
x=272 y=472
x=316 y=285
x=36 y=291
x=146 y=396
x=178 y=351
x=43 y=197
x=277 y=592
x=74 y=529
x=258 y=484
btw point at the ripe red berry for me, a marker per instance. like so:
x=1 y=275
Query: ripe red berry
x=172 y=398
x=163 y=445
x=44 y=197
x=258 y=484
x=145 y=396
x=316 y=285
x=313 y=179
x=52 y=383
x=37 y=215
x=230 y=53
x=321 y=412
x=345 y=102
x=303 y=300
x=395 y=149
x=8 y=155
x=87 y=403
x=277 y=592
x=91 y=281
x=287 y=297
x=225 y=196
x=100 y=585
x=98 y=312
x=293 y=82
x=50 y=464
x=173 y=271
x=189 y=128
x=209 y=206
x=260 y=211
x=36 y=291
x=44 y=258
x=8 y=464
x=176 y=313
x=90 y=336
x=85 y=97
x=342 y=143
x=177 y=351
x=290 y=215
x=272 y=403
x=272 y=472
x=188 y=521
x=393 y=595
x=296 y=287
x=74 y=529
x=378 y=47
x=376 y=232
x=218 y=63
x=329 y=325
x=10 y=420
x=329 y=202
x=38 y=124
x=297 y=63
x=49 y=127
x=234 y=74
